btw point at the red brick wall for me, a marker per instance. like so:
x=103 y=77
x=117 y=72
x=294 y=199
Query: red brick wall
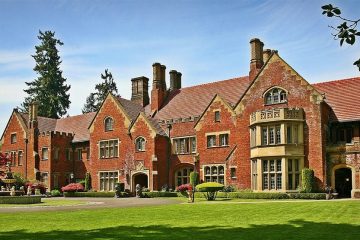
x=14 y=126
x=276 y=74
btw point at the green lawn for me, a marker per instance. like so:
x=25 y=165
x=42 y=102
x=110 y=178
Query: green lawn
x=268 y=220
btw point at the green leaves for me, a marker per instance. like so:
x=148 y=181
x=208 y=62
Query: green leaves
x=49 y=88
x=330 y=10
x=344 y=32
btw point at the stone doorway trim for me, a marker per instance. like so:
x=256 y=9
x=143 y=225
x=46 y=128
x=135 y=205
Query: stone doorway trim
x=353 y=180
x=138 y=172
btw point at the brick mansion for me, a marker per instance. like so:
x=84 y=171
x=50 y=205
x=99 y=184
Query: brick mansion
x=253 y=132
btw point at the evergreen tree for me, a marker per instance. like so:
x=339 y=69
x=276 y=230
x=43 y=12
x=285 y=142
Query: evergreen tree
x=49 y=89
x=94 y=100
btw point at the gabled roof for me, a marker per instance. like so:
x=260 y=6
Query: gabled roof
x=192 y=101
x=132 y=109
x=343 y=97
x=75 y=125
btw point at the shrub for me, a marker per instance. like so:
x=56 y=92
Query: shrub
x=194 y=178
x=20 y=181
x=160 y=194
x=20 y=200
x=184 y=188
x=35 y=185
x=211 y=189
x=87 y=185
x=95 y=194
x=307 y=176
x=307 y=196
x=55 y=193
x=73 y=187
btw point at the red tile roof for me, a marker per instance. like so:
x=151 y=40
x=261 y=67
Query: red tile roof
x=192 y=101
x=77 y=125
x=343 y=97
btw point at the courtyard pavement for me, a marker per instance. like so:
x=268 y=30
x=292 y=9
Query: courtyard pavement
x=92 y=203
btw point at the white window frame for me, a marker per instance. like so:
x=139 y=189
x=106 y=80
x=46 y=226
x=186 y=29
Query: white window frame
x=212 y=175
x=108 y=182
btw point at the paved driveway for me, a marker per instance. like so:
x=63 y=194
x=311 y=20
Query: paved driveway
x=92 y=203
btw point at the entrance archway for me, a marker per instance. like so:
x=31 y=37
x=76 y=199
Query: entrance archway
x=142 y=179
x=343 y=182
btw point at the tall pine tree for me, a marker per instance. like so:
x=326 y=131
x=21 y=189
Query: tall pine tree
x=49 y=89
x=94 y=100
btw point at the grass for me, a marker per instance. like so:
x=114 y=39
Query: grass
x=47 y=203
x=268 y=220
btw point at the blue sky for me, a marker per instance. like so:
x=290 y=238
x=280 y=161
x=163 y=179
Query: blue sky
x=206 y=40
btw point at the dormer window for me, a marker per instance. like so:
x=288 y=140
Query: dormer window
x=140 y=144
x=109 y=124
x=275 y=96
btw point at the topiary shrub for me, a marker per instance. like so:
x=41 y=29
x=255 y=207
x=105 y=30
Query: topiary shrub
x=87 y=186
x=211 y=189
x=194 y=178
x=55 y=193
x=307 y=177
x=73 y=187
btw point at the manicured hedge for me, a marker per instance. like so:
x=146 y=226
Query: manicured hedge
x=89 y=194
x=161 y=194
x=20 y=200
x=307 y=195
x=307 y=178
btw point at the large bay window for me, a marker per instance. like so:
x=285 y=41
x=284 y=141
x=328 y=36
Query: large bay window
x=109 y=148
x=185 y=145
x=214 y=173
x=271 y=135
x=272 y=174
x=108 y=180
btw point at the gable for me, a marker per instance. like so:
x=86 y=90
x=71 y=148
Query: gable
x=14 y=117
x=143 y=118
x=216 y=99
x=111 y=99
x=285 y=73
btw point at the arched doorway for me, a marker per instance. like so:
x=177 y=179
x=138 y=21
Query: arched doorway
x=343 y=182
x=142 y=179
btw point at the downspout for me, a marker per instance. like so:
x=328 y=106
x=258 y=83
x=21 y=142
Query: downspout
x=26 y=156
x=168 y=155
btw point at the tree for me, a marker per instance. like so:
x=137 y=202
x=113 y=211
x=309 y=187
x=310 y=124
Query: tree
x=343 y=32
x=94 y=100
x=49 y=89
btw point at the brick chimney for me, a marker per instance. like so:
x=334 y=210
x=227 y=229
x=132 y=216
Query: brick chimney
x=140 y=90
x=175 y=80
x=266 y=54
x=33 y=114
x=257 y=60
x=158 y=92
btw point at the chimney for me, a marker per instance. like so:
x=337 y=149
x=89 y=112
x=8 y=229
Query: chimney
x=158 y=92
x=140 y=88
x=163 y=77
x=256 y=61
x=175 y=80
x=266 y=54
x=33 y=114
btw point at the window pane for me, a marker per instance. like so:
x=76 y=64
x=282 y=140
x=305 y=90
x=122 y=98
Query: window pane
x=289 y=134
x=278 y=165
x=290 y=181
x=278 y=135
x=265 y=181
x=290 y=165
x=264 y=136
x=272 y=135
x=265 y=166
x=272 y=181
x=278 y=181
x=272 y=166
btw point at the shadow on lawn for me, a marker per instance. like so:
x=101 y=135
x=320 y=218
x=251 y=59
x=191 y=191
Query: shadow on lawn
x=298 y=229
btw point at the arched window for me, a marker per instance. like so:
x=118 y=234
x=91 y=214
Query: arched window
x=275 y=95
x=109 y=124
x=140 y=144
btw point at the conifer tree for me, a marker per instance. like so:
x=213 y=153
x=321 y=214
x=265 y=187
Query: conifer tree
x=94 y=100
x=49 y=89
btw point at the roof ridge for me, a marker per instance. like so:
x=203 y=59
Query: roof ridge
x=337 y=80
x=214 y=82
